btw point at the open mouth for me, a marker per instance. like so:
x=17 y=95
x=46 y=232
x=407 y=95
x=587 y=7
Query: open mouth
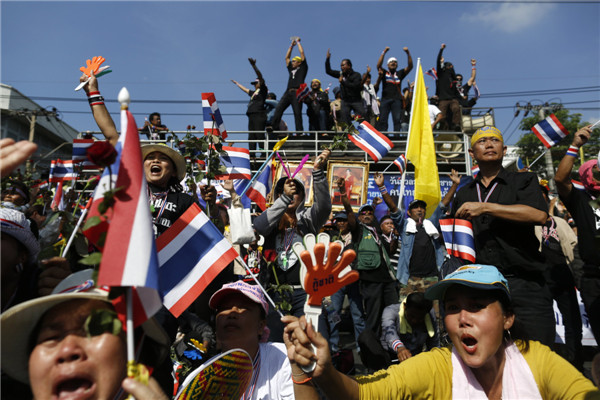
x=155 y=169
x=76 y=388
x=469 y=343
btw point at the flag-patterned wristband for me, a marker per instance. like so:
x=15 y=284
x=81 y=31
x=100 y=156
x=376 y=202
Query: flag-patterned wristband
x=573 y=151
x=383 y=189
x=95 y=99
x=396 y=344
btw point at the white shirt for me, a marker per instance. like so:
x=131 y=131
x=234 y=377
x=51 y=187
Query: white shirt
x=275 y=374
x=433 y=112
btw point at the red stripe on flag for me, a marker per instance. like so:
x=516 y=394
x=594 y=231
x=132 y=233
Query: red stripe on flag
x=178 y=226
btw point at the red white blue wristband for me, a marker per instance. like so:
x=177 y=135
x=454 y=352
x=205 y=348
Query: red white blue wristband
x=383 y=189
x=397 y=343
x=573 y=151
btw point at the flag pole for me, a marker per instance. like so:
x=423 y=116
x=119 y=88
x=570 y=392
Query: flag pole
x=388 y=167
x=68 y=246
x=259 y=285
x=412 y=108
x=540 y=156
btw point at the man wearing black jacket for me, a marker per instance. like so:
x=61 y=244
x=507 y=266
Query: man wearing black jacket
x=351 y=87
x=446 y=90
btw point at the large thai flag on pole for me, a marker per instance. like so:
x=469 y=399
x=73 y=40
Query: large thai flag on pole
x=400 y=162
x=62 y=170
x=213 y=121
x=302 y=92
x=130 y=259
x=459 y=238
x=236 y=163
x=80 y=147
x=260 y=188
x=373 y=142
x=191 y=254
x=550 y=131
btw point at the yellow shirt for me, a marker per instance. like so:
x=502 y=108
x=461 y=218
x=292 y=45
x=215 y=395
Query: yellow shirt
x=429 y=376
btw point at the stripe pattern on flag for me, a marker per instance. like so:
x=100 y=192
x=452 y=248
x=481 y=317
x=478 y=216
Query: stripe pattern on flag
x=462 y=243
x=550 y=131
x=62 y=170
x=302 y=92
x=373 y=142
x=432 y=73
x=260 y=188
x=400 y=162
x=191 y=254
x=213 y=121
x=474 y=170
x=236 y=163
x=577 y=185
x=80 y=147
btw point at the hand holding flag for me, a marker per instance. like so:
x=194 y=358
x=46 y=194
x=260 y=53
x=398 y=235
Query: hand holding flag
x=550 y=131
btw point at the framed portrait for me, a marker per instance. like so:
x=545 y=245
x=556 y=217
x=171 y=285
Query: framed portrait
x=356 y=179
x=304 y=175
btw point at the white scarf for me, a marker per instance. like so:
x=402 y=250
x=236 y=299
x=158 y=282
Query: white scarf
x=430 y=229
x=517 y=379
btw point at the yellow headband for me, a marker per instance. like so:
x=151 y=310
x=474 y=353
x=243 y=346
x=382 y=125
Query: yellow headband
x=297 y=58
x=486 y=131
x=316 y=80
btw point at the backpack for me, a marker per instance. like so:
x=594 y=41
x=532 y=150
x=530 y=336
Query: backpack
x=369 y=251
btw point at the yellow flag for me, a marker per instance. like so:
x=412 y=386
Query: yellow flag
x=421 y=150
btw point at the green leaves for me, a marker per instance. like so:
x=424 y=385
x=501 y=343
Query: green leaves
x=91 y=259
x=102 y=321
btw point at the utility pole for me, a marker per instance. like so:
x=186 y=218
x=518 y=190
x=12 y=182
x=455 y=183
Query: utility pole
x=541 y=110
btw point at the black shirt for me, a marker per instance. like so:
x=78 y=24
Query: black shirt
x=446 y=82
x=510 y=246
x=297 y=75
x=351 y=85
x=176 y=204
x=422 y=259
x=588 y=226
x=391 y=85
x=257 y=99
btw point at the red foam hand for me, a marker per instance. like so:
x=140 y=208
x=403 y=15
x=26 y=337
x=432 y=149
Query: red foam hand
x=92 y=65
x=323 y=280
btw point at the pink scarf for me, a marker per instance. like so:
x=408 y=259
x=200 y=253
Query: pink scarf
x=585 y=173
x=517 y=378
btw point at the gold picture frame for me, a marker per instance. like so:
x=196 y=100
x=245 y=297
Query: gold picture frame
x=304 y=175
x=357 y=183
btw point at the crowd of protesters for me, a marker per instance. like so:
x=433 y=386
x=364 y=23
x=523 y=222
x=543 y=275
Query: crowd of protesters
x=486 y=329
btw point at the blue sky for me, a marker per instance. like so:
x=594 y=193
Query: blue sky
x=177 y=50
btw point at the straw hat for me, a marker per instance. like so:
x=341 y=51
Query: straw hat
x=174 y=155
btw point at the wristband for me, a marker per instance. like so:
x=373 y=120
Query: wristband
x=572 y=151
x=301 y=382
x=382 y=190
x=93 y=93
x=396 y=343
x=96 y=100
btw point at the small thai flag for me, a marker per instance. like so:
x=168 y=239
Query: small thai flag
x=400 y=162
x=432 y=73
x=260 y=188
x=236 y=162
x=58 y=202
x=80 y=147
x=477 y=93
x=41 y=185
x=373 y=142
x=62 y=170
x=577 y=184
x=302 y=92
x=191 y=253
x=461 y=242
x=213 y=121
x=132 y=260
x=474 y=170
x=550 y=131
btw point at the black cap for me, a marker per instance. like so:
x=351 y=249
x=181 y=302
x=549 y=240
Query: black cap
x=416 y=203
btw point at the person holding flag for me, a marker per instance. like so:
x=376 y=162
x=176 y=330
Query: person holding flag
x=285 y=223
x=504 y=208
x=164 y=168
x=587 y=219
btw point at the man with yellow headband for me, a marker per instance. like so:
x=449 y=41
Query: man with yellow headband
x=297 y=68
x=504 y=207
x=317 y=107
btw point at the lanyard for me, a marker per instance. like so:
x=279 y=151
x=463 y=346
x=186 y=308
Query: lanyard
x=546 y=232
x=155 y=196
x=489 y=193
x=255 y=371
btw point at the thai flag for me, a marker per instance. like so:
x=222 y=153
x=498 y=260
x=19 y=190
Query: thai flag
x=550 y=131
x=191 y=253
x=400 y=162
x=577 y=184
x=58 y=202
x=41 y=185
x=373 y=142
x=474 y=170
x=80 y=147
x=432 y=73
x=236 y=163
x=477 y=93
x=62 y=170
x=261 y=187
x=461 y=242
x=302 y=92
x=213 y=121
x=132 y=260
